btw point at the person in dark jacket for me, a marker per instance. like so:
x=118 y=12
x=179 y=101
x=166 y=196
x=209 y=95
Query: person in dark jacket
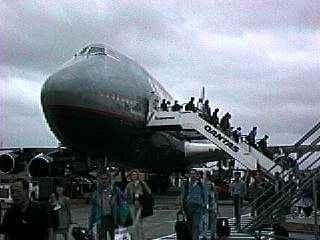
x=237 y=135
x=25 y=219
x=206 y=110
x=194 y=196
x=215 y=118
x=60 y=204
x=251 y=138
x=176 y=107
x=190 y=105
x=263 y=145
x=225 y=123
x=164 y=106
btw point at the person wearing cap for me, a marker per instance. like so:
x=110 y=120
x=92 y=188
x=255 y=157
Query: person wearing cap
x=102 y=201
x=134 y=193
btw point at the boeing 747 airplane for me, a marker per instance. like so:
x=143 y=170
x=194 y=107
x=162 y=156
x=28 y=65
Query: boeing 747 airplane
x=98 y=104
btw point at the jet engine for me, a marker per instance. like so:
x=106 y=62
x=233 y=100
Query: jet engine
x=8 y=162
x=40 y=166
x=202 y=152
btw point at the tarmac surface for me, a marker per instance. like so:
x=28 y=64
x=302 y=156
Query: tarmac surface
x=160 y=226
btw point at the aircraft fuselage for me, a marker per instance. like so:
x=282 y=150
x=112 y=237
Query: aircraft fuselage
x=98 y=103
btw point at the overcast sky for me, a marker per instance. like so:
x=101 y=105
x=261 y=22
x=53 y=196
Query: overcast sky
x=258 y=59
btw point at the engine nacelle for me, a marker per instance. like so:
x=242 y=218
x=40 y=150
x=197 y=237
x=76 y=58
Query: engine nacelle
x=8 y=163
x=40 y=166
x=206 y=152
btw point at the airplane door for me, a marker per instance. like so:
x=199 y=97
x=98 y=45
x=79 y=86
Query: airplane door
x=153 y=104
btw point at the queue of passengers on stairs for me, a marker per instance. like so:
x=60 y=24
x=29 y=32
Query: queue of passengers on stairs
x=204 y=110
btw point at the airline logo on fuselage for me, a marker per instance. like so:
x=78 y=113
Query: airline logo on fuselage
x=221 y=138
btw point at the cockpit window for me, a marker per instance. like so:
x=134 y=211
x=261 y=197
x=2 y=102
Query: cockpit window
x=83 y=50
x=96 y=50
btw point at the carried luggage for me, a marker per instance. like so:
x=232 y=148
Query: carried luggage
x=181 y=227
x=81 y=233
x=223 y=228
x=122 y=234
x=147 y=201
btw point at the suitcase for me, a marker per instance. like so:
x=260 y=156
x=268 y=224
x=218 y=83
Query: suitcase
x=223 y=228
x=80 y=233
x=181 y=227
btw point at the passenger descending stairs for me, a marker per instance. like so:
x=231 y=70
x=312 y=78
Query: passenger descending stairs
x=242 y=152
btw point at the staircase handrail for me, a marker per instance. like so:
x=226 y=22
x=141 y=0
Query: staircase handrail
x=316 y=141
x=281 y=202
x=307 y=135
x=265 y=203
x=189 y=120
x=282 y=197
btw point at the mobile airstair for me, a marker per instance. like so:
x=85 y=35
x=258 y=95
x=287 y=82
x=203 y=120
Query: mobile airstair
x=270 y=204
x=250 y=158
x=246 y=155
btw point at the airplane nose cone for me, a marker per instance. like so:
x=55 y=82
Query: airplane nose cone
x=77 y=108
x=59 y=88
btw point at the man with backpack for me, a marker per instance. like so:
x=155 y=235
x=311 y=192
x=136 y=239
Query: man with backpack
x=194 y=202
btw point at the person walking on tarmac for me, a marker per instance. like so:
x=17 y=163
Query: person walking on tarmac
x=102 y=202
x=24 y=219
x=60 y=205
x=194 y=197
x=238 y=192
x=213 y=205
x=134 y=192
